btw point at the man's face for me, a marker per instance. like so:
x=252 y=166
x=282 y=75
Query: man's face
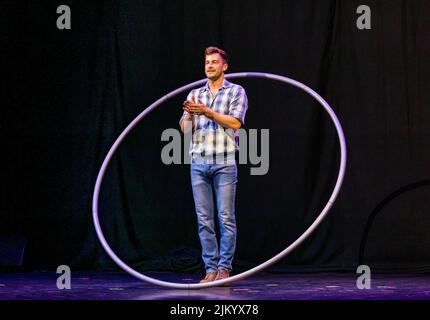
x=214 y=66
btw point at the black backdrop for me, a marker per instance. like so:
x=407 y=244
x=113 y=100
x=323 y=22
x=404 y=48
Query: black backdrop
x=67 y=95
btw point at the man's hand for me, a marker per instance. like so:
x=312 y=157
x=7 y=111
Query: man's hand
x=194 y=108
x=223 y=120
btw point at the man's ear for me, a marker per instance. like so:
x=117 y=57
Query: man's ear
x=225 y=67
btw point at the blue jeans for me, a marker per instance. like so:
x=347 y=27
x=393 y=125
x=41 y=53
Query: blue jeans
x=223 y=179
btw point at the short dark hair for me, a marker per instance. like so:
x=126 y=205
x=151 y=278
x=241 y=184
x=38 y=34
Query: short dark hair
x=222 y=53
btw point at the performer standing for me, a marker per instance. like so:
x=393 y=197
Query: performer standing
x=214 y=113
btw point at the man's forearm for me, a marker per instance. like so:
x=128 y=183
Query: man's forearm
x=187 y=123
x=223 y=120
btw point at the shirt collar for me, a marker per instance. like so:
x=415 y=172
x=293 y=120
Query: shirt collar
x=225 y=84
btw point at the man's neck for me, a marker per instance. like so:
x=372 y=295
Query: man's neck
x=216 y=84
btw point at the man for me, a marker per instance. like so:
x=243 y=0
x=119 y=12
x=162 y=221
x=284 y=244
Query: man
x=214 y=113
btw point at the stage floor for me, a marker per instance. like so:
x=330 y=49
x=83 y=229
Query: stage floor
x=263 y=286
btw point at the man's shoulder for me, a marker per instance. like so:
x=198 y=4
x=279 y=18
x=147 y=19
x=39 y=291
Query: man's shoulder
x=229 y=85
x=236 y=86
x=197 y=90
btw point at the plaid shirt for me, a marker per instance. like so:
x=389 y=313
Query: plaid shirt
x=210 y=140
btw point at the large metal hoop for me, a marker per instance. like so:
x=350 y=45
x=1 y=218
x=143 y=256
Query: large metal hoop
x=261 y=266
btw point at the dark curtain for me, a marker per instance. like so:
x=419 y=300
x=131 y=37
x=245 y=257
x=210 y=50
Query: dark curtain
x=68 y=94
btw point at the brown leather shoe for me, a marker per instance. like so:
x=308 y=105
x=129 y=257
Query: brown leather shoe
x=210 y=276
x=223 y=274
